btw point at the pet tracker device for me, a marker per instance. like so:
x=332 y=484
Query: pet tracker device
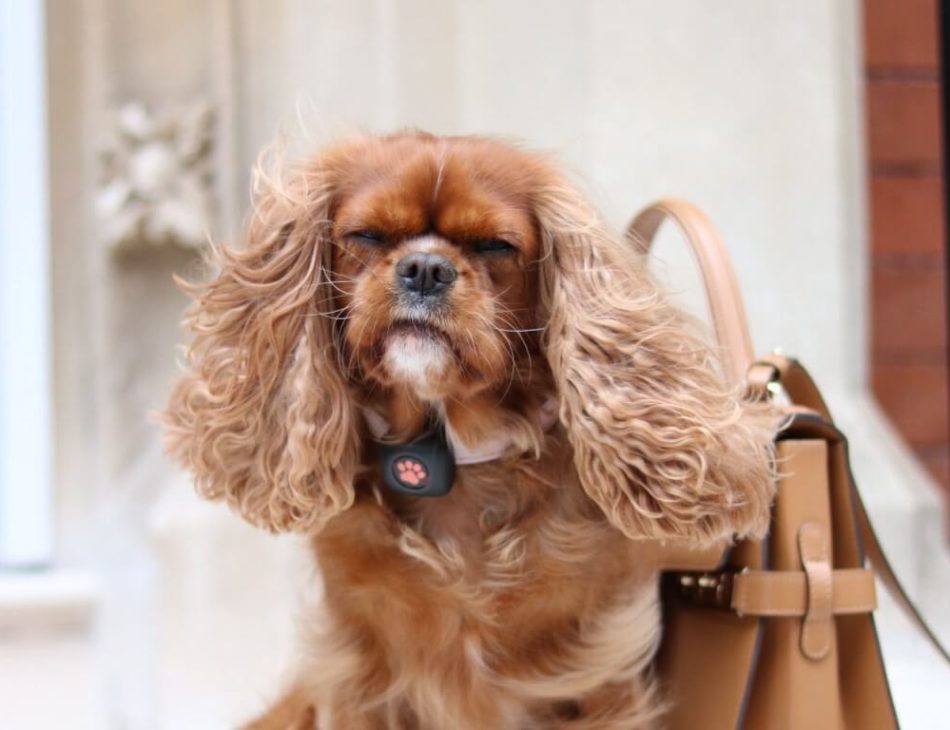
x=424 y=467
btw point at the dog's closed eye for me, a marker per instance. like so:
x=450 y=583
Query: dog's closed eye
x=367 y=237
x=493 y=246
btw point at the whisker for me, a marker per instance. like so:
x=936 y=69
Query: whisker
x=522 y=329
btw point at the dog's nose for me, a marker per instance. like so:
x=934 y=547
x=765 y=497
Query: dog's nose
x=425 y=273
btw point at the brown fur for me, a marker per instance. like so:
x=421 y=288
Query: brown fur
x=519 y=600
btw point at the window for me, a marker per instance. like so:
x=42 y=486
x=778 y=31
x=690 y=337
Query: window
x=25 y=431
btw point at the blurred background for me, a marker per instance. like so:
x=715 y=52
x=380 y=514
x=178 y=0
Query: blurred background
x=812 y=133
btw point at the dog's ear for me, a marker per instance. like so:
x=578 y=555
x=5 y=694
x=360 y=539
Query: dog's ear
x=661 y=444
x=262 y=415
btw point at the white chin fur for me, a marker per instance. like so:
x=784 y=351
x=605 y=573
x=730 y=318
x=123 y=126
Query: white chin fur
x=416 y=359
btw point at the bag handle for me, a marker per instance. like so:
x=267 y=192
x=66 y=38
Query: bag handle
x=722 y=291
x=732 y=333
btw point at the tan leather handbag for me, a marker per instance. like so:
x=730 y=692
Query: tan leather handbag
x=776 y=634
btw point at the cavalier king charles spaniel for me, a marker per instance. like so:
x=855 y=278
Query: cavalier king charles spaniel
x=434 y=360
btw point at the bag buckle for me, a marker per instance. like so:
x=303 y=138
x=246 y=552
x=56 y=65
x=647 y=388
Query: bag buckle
x=707 y=589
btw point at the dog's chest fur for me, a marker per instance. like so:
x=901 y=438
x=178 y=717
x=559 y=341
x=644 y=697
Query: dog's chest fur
x=515 y=579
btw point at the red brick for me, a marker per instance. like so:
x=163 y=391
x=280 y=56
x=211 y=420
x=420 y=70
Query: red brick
x=915 y=399
x=901 y=33
x=907 y=216
x=937 y=462
x=908 y=311
x=904 y=122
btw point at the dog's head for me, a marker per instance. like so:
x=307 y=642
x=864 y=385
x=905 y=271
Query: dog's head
x=418 y=275
x=434 y=249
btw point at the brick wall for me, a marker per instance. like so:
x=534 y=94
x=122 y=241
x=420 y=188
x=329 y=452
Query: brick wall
x=908 y=272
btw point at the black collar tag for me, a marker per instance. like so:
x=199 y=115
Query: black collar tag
x=423 y=468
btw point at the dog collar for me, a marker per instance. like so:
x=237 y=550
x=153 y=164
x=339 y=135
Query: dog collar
x=425 y=466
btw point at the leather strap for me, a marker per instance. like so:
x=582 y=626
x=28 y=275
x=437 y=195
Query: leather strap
x=817 y=627
x=792 y=376
x=785 y=593
x=875 y=553
x=722 y=291
x=779 y=593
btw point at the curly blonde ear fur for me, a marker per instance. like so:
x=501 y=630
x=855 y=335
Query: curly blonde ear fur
x=661 y=444
x=262 y=416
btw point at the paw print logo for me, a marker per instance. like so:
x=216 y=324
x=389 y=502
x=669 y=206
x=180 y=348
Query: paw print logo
x=410 y=472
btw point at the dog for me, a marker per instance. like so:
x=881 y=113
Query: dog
x=450 y=315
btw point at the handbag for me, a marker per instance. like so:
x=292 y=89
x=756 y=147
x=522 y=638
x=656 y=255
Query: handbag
x=777 y=633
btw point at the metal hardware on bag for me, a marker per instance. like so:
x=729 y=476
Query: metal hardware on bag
x=707 y=589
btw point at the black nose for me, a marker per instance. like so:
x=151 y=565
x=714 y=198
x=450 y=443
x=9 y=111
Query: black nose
x=425 y=273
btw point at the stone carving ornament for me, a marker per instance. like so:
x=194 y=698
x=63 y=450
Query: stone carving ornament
x=156 y=187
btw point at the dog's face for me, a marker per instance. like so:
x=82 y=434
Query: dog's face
x=419 y=273
x=434 y=259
